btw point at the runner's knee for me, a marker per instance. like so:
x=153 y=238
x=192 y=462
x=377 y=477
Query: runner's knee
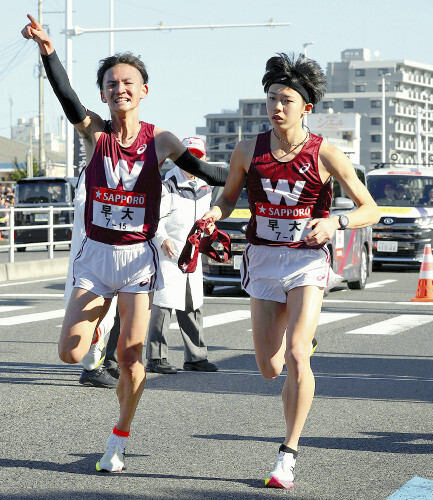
x=69 y=356
x=297 y=358
x=129 y=359
x=269 y=370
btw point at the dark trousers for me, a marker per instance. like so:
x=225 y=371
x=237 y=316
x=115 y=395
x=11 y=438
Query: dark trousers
x=191 y=328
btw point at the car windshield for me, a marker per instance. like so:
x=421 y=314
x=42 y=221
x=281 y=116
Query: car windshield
x=242 y=201
x=401 y=190
x=41 y=192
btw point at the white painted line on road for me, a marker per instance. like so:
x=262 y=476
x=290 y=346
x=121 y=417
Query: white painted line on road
x=417 y=488
x=13 y=283
x=221 y=319
x=4 y=309
x=379 y=284
x=389 y=302
x=31 y=318
x=330 y=317
x=394 y=325
x=41 y=295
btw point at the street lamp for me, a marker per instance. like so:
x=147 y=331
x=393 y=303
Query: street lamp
x=383 y=117
x=305 y=45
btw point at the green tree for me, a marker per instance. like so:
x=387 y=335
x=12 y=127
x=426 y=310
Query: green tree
x=20 y=170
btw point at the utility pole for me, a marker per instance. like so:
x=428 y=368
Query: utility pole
x=42 y=157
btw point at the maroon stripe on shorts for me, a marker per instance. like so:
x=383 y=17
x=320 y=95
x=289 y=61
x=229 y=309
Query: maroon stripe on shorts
x=79 y=254
x=155 y=263
x=245 y=262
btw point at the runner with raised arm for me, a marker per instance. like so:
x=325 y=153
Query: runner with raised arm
x=123 y=192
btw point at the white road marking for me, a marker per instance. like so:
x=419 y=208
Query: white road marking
x=379 y=284
x=39 y=295
x=394 y=325
x=330 y=317
x=221 y=319
x=385 y=302
x=4 y=309
x=13 y=283
x=418 y=488
x=31 y=318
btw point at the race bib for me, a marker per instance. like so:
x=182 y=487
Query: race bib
x=281 y=223
x=118 y=210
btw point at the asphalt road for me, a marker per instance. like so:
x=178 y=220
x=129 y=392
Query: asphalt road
x=216 y=435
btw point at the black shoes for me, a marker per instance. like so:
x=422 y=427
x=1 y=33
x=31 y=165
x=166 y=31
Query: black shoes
x=200 y=366
x=113 y=369
x=99 y=377
x=160 y=366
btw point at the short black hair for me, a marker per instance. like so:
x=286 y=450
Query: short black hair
x=300 y=72
x=125 y=58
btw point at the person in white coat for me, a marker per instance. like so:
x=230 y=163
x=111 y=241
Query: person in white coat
x=185 y=199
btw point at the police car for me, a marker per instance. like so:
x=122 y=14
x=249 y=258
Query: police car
x=405 y=198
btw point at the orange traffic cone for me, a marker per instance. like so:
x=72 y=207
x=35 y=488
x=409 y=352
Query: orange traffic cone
x=424 y=291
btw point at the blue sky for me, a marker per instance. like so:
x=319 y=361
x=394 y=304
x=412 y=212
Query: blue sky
x=197 y=72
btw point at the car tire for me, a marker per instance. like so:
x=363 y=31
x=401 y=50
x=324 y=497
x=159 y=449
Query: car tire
x=360 y=283
x=21 y=249
x=208 y=288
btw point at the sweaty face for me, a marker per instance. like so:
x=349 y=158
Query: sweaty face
x=284 y=106
x=123 y=87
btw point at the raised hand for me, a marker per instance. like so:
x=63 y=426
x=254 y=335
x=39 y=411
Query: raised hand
x=35 y=31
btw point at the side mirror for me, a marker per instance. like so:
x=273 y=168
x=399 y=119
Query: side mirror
x=343 y=203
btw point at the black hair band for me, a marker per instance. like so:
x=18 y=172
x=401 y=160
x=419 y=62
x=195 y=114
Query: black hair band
x=300 y=89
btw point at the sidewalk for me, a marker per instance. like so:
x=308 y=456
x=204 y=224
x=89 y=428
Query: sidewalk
x=33 y=263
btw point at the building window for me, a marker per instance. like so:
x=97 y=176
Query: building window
x=263 y=109
x=375 y=137
x=382 y=71
x=249 y=109
x=327 y=104
x=231 y=127
x=376 y=104
x=359 y=72
x=375 y=155
x=348 y=104
x=379 y=87
x=376 y=120
x=360 y=88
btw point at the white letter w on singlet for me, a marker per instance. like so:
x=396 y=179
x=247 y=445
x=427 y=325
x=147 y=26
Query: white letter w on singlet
x=121 y=171
x=282 y=191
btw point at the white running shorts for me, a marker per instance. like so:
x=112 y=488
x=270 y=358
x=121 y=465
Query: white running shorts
x=270 y=272
x=107 y=269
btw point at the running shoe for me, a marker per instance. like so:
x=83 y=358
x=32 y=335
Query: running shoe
x=96 y=353
x=282 y=475
x=313 y=346
x=114 y=458
x=99 y=377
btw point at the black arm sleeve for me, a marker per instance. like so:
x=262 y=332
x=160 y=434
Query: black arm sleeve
x=75 y=112
x=214 y=176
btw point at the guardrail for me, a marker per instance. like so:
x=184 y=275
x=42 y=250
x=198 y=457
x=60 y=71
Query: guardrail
x=8 y=228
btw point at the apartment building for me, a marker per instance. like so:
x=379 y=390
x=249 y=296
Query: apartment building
x=392 y=98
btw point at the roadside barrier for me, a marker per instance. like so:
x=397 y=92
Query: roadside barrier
x=424 y=291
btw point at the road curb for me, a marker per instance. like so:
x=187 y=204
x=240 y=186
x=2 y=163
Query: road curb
x=33 y=269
